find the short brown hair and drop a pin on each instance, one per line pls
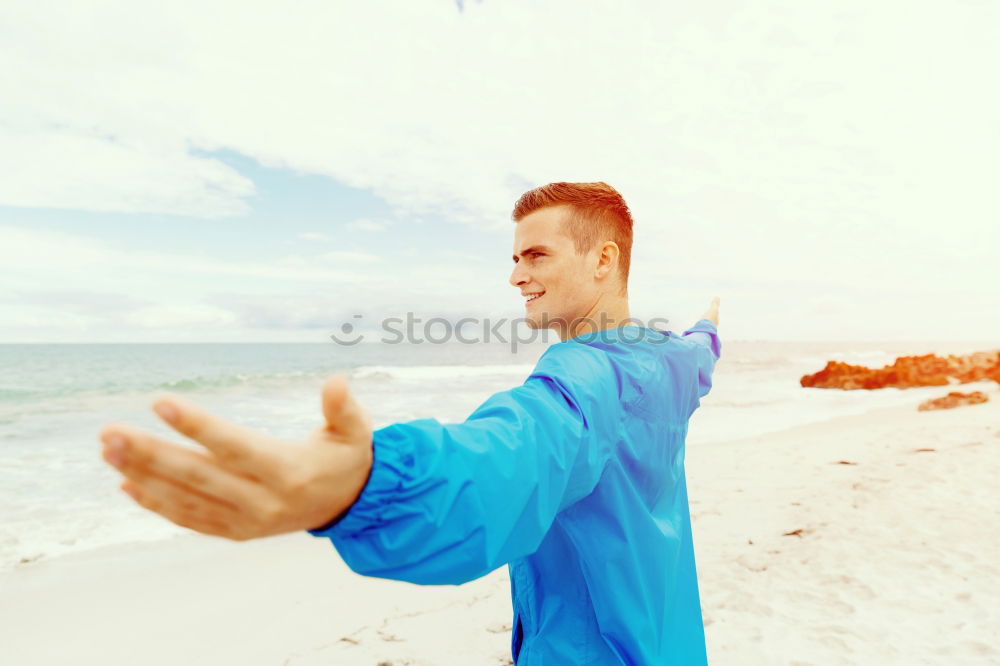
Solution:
(599, 214)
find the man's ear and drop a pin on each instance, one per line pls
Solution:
(607, 260)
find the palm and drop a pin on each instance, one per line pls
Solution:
(244, 484)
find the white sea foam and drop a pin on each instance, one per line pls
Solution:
(419, 373)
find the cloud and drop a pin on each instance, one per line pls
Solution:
(176, 316)
(839, 146)
(77, 301)
(63, 168)
(69, 287)
(360, 224)
(40, 257)
(118, 290)
(349, 257)
(364, 224)
(805, 107)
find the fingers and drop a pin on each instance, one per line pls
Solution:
(178, 507)
(343, 414)
(712, 313)
(140, 455)
(235, 446)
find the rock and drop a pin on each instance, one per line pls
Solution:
(953, 399)
(909, 371)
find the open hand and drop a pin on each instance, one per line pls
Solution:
(246, 484)
(712, 313)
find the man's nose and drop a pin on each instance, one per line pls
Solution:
(517, 276)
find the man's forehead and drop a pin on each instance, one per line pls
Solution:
(542, 228)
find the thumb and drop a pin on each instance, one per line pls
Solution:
(343, 414)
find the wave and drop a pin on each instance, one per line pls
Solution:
(18, 397)
(412, 373)
(365, 373)
(201, 383)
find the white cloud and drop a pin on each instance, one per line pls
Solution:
(800, 145)
(64, 287)
(364, 224)
(814, 110)
(62, 168)
(349, 257)
(181, 316)
(41, 258)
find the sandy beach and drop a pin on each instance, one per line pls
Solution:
(888, 560)
(867, 539)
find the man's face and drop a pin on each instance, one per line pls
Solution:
(546, 263)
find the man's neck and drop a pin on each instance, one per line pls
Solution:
(608, 312)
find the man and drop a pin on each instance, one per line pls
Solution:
(574, 479)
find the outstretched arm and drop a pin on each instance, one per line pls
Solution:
(705, 333)
(448, 503)
(422, 501)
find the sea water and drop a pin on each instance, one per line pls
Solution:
(57, 495)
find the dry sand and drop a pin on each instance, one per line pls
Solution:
(891, 559)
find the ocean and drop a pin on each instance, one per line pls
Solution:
(57, 495)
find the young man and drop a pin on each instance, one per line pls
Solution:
(574, 479)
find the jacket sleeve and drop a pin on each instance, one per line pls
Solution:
(448, 503)
(708, 350)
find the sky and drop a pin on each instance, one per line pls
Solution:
(247, 172)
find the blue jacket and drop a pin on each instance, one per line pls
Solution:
(575, 480)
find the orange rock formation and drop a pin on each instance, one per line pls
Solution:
(909, 371)
(953, 399)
